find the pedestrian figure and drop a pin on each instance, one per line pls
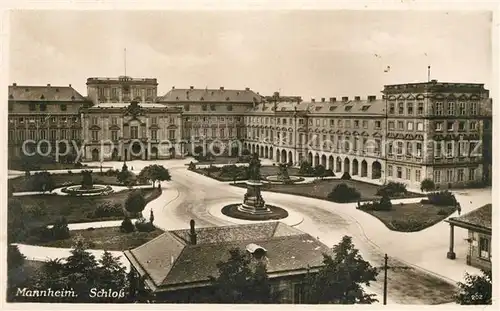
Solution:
(459, 209)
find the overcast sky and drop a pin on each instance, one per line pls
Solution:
(307, 53)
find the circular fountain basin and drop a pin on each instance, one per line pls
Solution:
(240, 211)
(275, 179)
(95, 190)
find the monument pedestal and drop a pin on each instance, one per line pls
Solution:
(253, 202)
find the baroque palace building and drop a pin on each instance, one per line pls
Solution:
(414, 131)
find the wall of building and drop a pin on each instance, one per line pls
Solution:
(473, 258)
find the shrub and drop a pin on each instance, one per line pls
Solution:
(346, 176)
(107, 209)
(392, 189)
(78, 164)
(384, 204)
(142, 226)
(343, 194)
(329, 173)
(442, 198)
(191, 166)
(306, 169)
(427, 185)
(38, 210)
(70, 172)
(135, 202)
(127, 225)
(14, 257)
(60, 230)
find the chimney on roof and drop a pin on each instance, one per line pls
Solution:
(434, 81)
(48, 84)
(313, 100)
(192, 233)
(345, 98)
(222, 88)
(247, 89)
(70, 85)
(191, 87)
(173, 87)
(371, 98)
(322, 99)
(14, 84)
(357, 97)
(333, 99)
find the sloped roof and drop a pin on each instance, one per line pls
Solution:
(170, 260)
(48, 93)
(211, 95)
(125, 105)
(480, 218)
(374, 107)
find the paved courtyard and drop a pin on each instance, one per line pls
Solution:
(191, 196)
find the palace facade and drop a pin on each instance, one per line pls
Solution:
(435, 130)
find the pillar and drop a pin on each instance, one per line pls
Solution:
(451, 254)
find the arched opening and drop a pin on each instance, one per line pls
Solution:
(278, 156)
(310, 158)
(283, 156)
(316, 160)
(154, 153)
(271, 154)
(347, 165)
(323, 160)
(355, 167)
(114, 155)
(330, 163)
(95, 155)
(261, 151)
(338, 166)
(364, 168)
(266, 152)
(290, 157)
(376, 170)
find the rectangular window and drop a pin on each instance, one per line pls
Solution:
(378, 124)
(449, 126)
(472, 174)
(154, 120)
(438, 109)
(409, 148)
(53, 134)
(437, 176)
(420, 126)
(473, 125)
(31, 134)
(95, 135)
(461, 108)
(301, 121)
(449, 149)
(439, 151)
(399, 172)
(154, 134)
(451, 109)
(32, 107)
(356, 124)
(418, 151)
(401, 108)
(222, 132)
(64, 134)
(22, 135)
(461, 126)
(391, 125)
(213, 133)
(473, 109)
(114, 93)
(171, 134)
(409, 108)
(449, 175)
(212, 107)
(462, 152)
(391, 108)
(348, 123)
(43, 134)
(134, 132)
(94, 120)
(389, 170)
(64, 107)
(401, 125)
(114, 135)
(420, 108)
(11, 135)
(365, 124)
(114, 120)
(391, 147)
(409, 126)
(341, 123)
(461, 174)
(417, 175)
(439, 126)
(43, 107)
(399, 150)
(408, 173)
(484, 248)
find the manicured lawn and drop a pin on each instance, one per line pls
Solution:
(265, 171)
(111, 239)
(320, 189)
(220, 160)
(22, 184)
(412, 217)
(75, 209)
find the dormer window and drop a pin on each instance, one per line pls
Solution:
(256, 251)
(365, 108)
(64, 107)
(57, 90)
(227, 98)
(42, 97)
(72, 97)
(332, 108)
(348, 108)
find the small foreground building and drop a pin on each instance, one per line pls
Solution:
(176, 265)
(478, 223)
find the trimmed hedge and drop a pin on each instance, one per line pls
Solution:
(342, 193)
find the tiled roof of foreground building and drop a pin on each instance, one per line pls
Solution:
(170, 260)
(478, 218)
(210, 95)
(48, 93)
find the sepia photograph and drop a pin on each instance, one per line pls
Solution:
(268, 156)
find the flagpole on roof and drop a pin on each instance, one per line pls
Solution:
(428, 73)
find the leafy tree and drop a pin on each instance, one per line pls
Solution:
(60, 230)
(127, 225)
(427, 185)
(341, 279)
(385, 204)
(319, 171)
(392, 189)
(155, 173)
(17, 226)
(238, 282)
(192, 166)
(198, 150)
(111, 272)
(135, 202)
(342, 193)
(42, 181)
(14, 257)
(125, 176)
(245, 152)
(476, 290)
(306, 168)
